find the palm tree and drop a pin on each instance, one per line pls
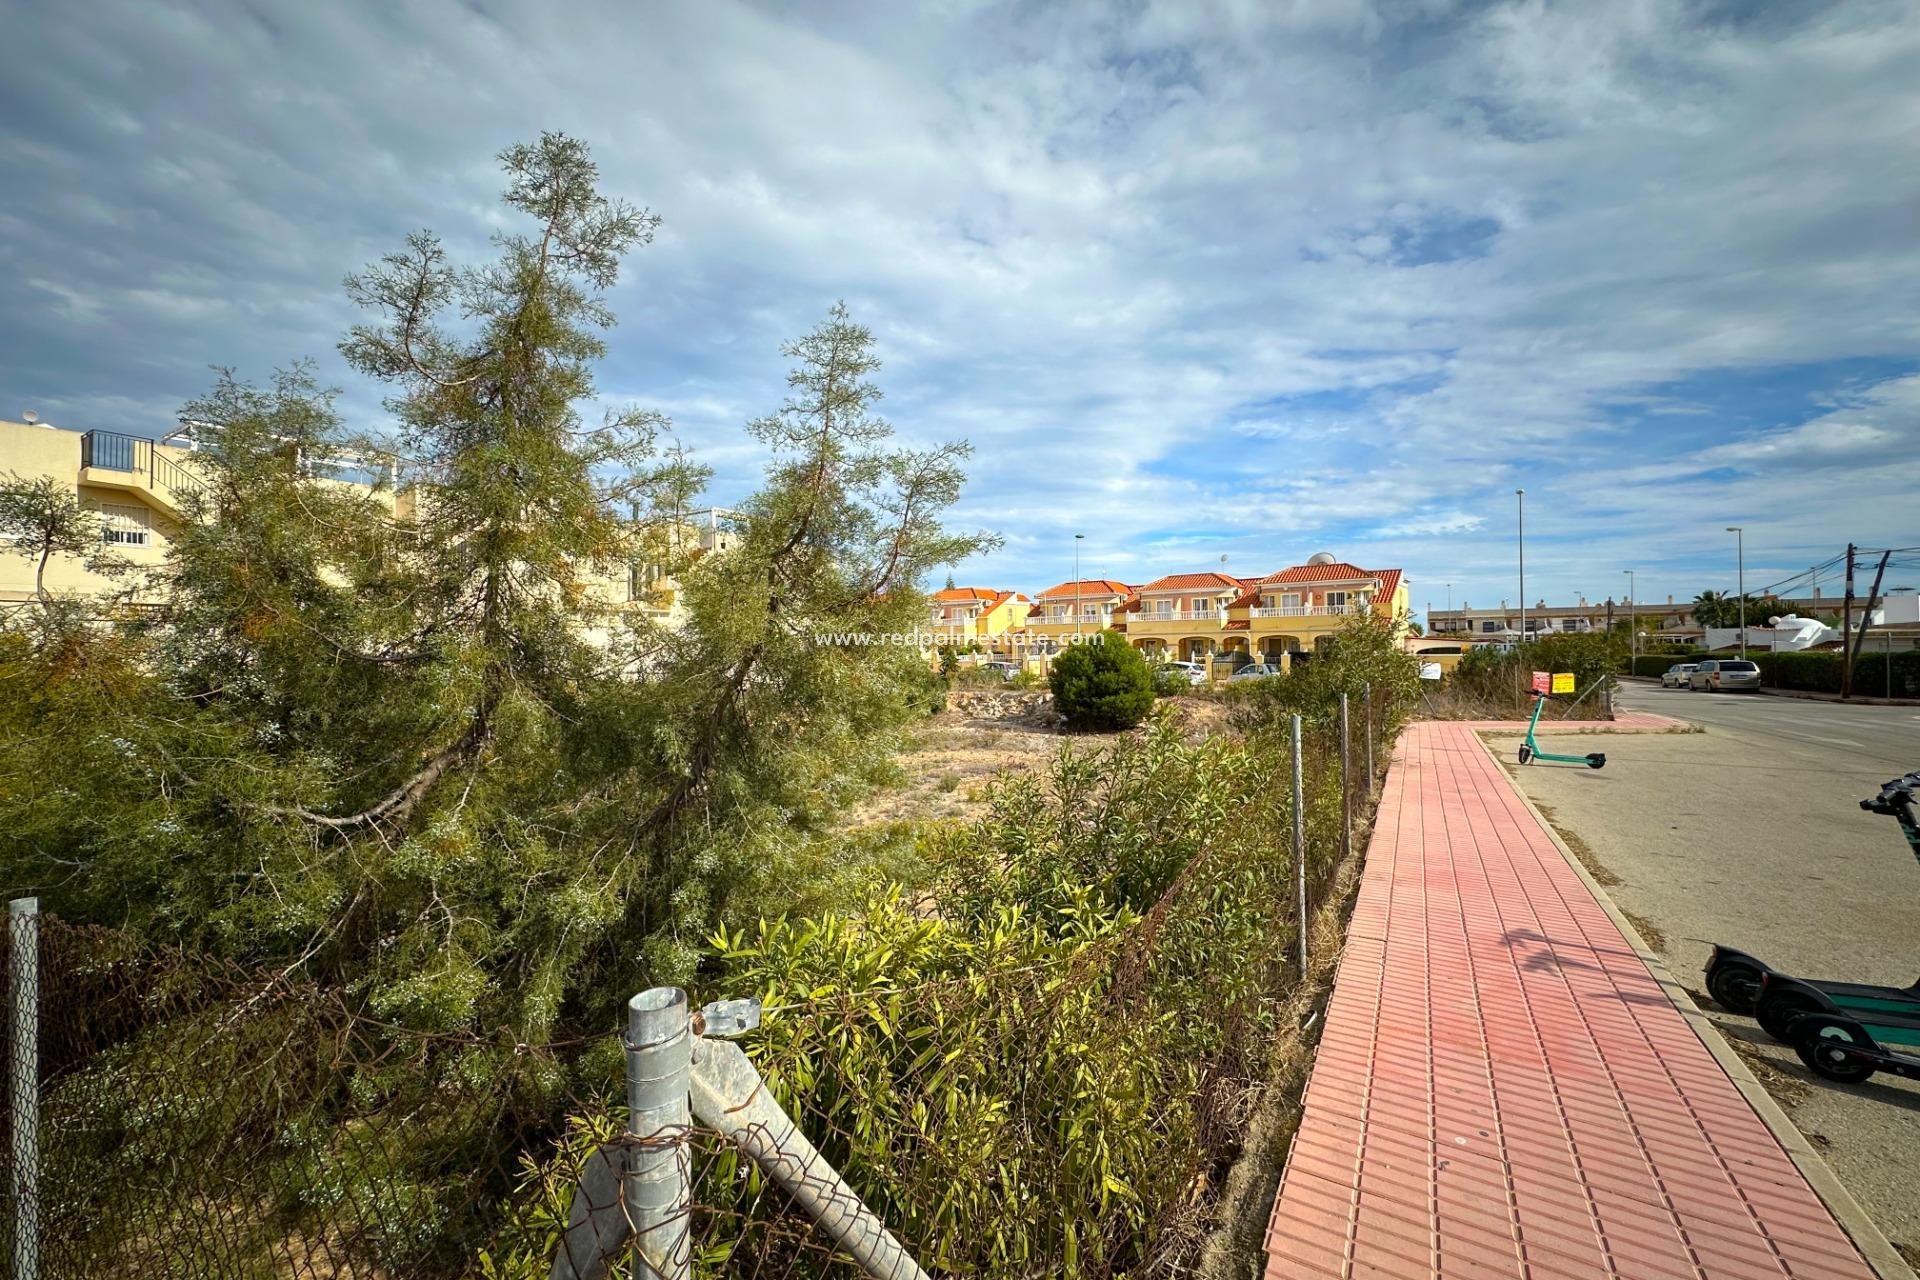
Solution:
(1710, 608)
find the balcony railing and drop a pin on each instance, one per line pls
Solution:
(111, 451)
(1180, 615)
(1312, 610)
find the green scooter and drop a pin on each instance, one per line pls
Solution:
(1530, 749)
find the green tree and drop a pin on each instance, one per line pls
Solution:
(43, 518)
(1102, 684)
(405, 741)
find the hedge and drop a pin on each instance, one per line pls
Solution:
(1817, 671)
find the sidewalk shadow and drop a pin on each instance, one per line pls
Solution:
(1541, 954)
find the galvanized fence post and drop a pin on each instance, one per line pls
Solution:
(1372, 777)
(657, 1190)
(1346, 784)
(23, 1083)
(1299, 847)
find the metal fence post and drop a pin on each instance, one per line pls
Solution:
(1346, 784)
(657, 1189)
(23, 1084)
(730, 1097)
(1372, 777)
(1300, 846)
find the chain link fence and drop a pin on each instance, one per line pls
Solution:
(1029, 1098)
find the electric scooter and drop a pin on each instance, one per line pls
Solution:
(1530, 750)
(1740, 983)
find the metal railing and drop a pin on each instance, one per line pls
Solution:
(111, 451)
(1311, 610)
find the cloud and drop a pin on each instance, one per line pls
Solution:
(1196, 279)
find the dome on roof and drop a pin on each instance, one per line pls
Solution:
(1322, 557)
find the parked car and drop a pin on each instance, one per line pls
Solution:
(1675, 676)
(1725, 675)
(1005, 670)
(1192, 672)
(1253, 671)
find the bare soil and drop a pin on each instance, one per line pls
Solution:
(947, 764)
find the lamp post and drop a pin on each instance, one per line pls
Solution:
(1633, 622)
(1740, 550)
(1076, 586)
(1520, 495)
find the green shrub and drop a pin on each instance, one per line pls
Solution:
(1364, 654)
(1102, 684)
(1823, 671)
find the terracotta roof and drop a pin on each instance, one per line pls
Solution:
(1238, 624)
(1005, 596)
(1389, 582)
(1087, 587)
(1339, 571)
(957, 595)
(1193, 582)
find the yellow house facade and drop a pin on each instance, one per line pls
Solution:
(1081, 608)
(1183, 616)
(139, 489)
(1298, 609)
(134, 487)
(981, 616)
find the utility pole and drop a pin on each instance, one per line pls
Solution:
(1076, 585)
(1866, 619)
(1846, 632)
(1633, 623)
(1740, 545)
(1521, 496)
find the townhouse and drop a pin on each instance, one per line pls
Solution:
(1081, 608)
(1193, 617)
(978, 616)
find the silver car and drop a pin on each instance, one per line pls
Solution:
(1675, 676)
(1254, 671)
(1725, 675)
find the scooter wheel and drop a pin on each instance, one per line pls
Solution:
(1526, 754)
(1831, 1047)
(1776, 1012)
(1596, 760)
(1734, 986)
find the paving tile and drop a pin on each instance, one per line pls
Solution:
(1503, 1090)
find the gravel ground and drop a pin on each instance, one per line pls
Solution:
(1735, 835)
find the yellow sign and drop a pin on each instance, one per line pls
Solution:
(1563, 682)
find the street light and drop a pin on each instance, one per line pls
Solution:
(1521, 496)
(1076, 585)
(1740, 548)
(1633, 622)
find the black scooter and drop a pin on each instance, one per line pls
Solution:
(1740, 983)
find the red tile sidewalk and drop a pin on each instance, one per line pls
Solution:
(1502, 1087)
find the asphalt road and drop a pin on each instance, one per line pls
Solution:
(1750, 833)
(1887, 735)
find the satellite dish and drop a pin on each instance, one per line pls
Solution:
(29, 417)
(1322, 557)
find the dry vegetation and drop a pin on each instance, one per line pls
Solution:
(944, 770)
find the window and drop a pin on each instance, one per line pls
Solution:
(1490, 627)
(1202, 607)
(1336, 601)
(124, 526)
(641, 579)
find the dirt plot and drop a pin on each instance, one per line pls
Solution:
(1719, 836)
(945, 769)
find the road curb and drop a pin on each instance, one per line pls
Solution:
(1854, 1220)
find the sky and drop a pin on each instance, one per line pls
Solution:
(1208, 283)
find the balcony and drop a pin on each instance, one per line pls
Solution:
(1180, 615)
(1312, 610)
(113, 461)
